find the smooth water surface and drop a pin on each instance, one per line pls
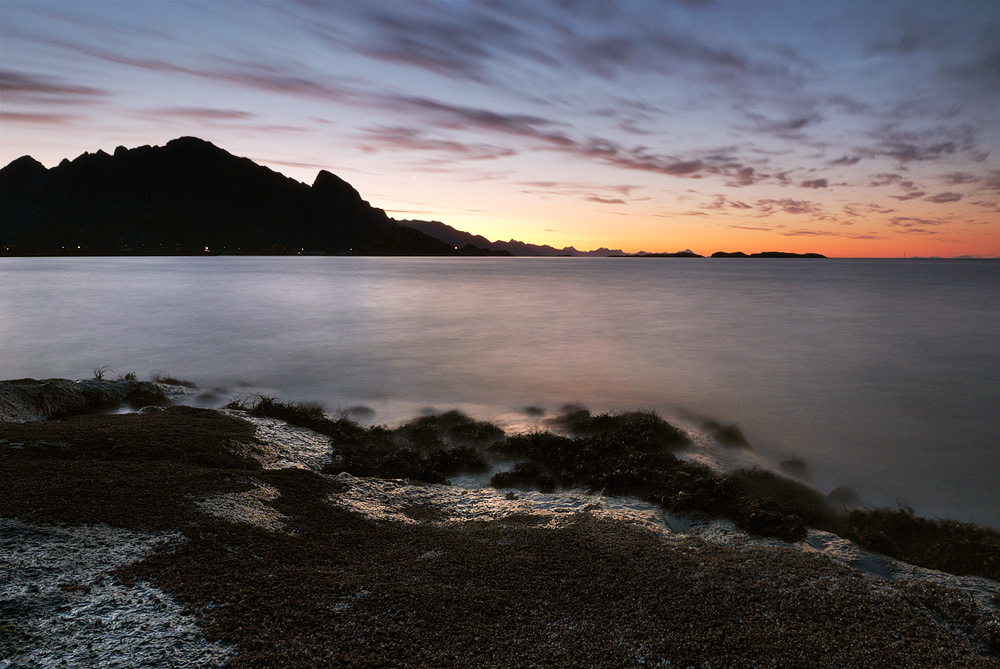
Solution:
(879, 374)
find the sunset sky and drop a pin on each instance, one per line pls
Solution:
(847, 128)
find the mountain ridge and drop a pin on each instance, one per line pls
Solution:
(191, 197)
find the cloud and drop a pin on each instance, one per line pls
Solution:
(885, 179)
(828, 233)
(203, 113)
(605, 200)
(39, 118)
(579, 186)
(909, 145)
(846, 160)
(814, 183)
(941, 198)
(912, 225)
(983, 68)
(22, 87)
(912, 195)
(992, 181)
(254, 75)
(459, 41)
(722, 202)
(958, 178)
(458, 116)
(910, 35)
(413, 139)
(848, 105)
(787, 128)
(751, 227)
(768, 207)
(857, 209)
(551, 134)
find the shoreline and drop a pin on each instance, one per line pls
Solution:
(341, 569)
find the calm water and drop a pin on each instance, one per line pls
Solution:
(879, 374)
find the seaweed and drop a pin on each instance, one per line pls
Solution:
(172, 381)
(791, 496)
(176, 434)
(449, 427)
(947, 545)
(730, 435)
(645, 429)
(422, 450)
(11, 634)
(632, 454)
(525, 475)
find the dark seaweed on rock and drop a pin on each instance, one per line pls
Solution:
(428, 449)
(730, 435)
(630, 454)
(450, 426)
(140, 471)
(28, 399)
(946, 545)
(792, 496)
(645, 428)
(176, 434)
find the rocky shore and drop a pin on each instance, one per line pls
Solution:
(185, 537)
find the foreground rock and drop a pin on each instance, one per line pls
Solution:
(30, 400)
(298, 572)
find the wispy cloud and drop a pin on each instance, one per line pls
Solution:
(923, 145)
(856, 209)
(914, 225)
(606, 200)
(912, 195)
(23, 87)
(958, 178)
(39, 118)
(941, 198)
(815, 183)
(414, 139)
(846, 160)
(767, 207)
(203, 113)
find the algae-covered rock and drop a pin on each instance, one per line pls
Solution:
(28, 399)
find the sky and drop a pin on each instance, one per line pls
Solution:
(852, 129)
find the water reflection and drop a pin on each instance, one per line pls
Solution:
(879, 374)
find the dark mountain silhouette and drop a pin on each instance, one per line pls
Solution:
(186, 197)
(450, 235)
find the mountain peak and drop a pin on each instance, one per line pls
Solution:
(329, 184)
(25, 165)
(191, 142)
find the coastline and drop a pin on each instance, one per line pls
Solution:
(276, 562)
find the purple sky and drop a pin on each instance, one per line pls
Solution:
(848, 128)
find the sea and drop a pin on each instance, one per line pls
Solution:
(880, 375)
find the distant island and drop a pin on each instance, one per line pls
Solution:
(718, 254)
(189, 197)
(687, 253)
(766, 254)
